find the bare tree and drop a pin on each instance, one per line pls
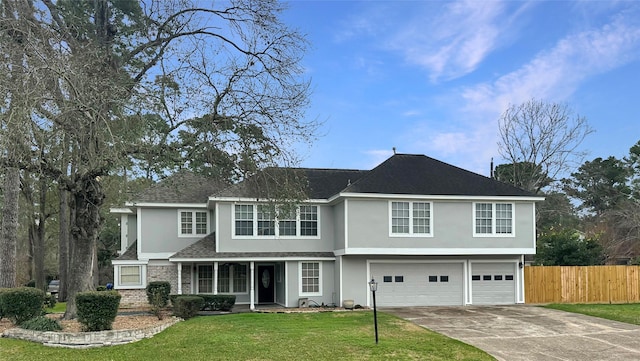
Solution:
(543, 137)
(227, 73)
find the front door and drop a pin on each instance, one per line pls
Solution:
(266, 289)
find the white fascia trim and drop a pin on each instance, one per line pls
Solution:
(129, 263)
(258, 200)
(155, 255)
(167, 205)
(432, 251)
(438, 197)
(252, 259)
(121, 210)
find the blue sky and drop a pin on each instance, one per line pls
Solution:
(433, 77)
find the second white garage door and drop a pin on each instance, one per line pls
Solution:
(493, 283)
(418, 284)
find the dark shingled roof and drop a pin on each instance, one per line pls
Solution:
(181, 187)
(419, 174)
(131, 254)
(206, 248)
(315, 183)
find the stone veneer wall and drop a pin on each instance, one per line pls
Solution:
(133, 298)
(138, 297)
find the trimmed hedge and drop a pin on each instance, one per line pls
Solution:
(187, 306)
(21, 304)
(1, 310)
(97, 309)
(218, 302)
(158, 293)
(211, 302)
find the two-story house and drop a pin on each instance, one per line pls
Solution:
(428, 232)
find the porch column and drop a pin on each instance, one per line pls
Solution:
(252, 305)
(215, 277)
(179, 278)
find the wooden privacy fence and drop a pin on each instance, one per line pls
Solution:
(582, 284)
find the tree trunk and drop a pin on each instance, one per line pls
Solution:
(8, 233)
(38, 246)
(63, 243)
(86, 200)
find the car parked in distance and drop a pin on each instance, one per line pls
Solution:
(54, 287)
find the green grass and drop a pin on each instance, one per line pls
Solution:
(59, 307)
(258, 336)
(628, 312)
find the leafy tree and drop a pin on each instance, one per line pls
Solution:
(540, 139)
(108, 70)
(633, 160)
(568, 248)
(600, 184)
(555, 213)
(524, 175)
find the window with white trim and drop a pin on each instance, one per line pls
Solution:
(192, 223)
(310, 279)
(410, 218)
(205, 279)
(232, 278)
(263, 221)
(130, 275)
(493, 219)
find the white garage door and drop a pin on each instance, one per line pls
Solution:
(493, 283)
(418, 284)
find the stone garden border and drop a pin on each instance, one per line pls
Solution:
(82, 340)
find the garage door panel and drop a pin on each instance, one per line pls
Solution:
(493, 283)
(418, 284)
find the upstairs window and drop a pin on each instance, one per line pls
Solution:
(244, 220)
(193, 223)
(493, 219)
(308, 220)
(410, 219)
(262, 221)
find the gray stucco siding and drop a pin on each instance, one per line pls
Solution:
(338, 225)
(354, 280)
(368, 227)
(329, 294)
(160, 231)
(228, 243)
(132, 229)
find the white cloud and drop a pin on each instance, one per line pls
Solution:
(376, 156)
(557, 73)
(454, 41)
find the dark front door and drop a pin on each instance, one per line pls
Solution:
(266, 290)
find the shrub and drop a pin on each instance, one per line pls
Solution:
(41, 323)
(31, 283)
(161, 288)
(187, 307)
(218, 302)
(97, 310)
(50, 301)
(1, 312)
(21, 304)
(101, 288)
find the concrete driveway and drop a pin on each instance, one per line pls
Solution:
(523, 332)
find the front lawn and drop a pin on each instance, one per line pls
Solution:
(628, 312)
(271, 336)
